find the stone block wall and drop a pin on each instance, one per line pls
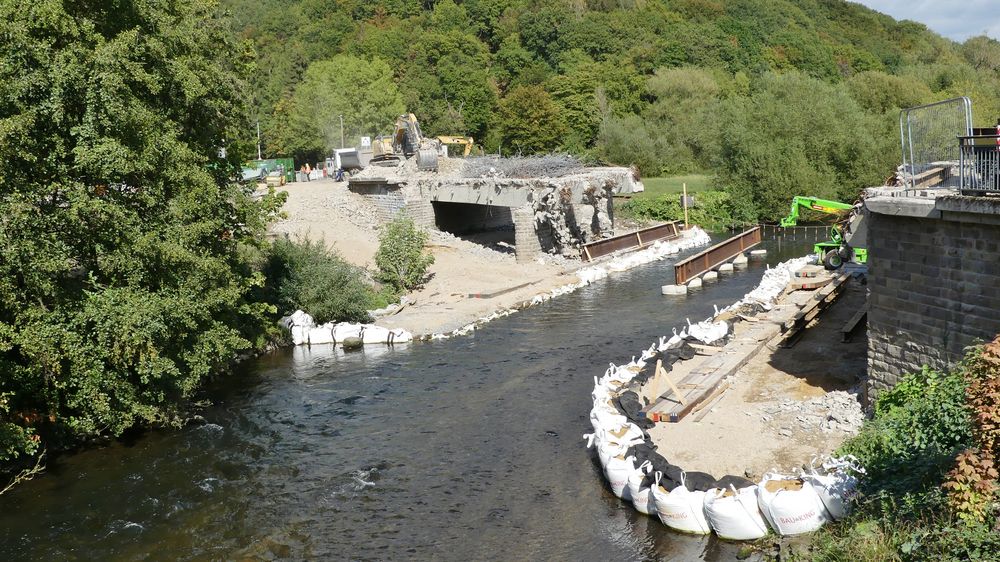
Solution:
(529, 241)
(389, 199)
(935, 289)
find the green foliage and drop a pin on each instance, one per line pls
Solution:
(530, 121)
(361, 91)
(918, 426)
(401, 261)
(123, 283)
(796, 133)
(711, 209)
(304, 274)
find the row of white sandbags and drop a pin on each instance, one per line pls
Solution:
(305, 331)
(794, 505)
(790, 505)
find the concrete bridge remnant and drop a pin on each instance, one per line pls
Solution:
(545, 214)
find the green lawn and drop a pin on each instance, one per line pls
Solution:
(670, 185)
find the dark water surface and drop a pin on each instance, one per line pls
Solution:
(467, 448)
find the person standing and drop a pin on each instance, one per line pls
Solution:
(308, 172)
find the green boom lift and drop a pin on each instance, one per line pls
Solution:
(847, 237)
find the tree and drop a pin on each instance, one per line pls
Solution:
(530, 121)
(122, 278)
(360, 90)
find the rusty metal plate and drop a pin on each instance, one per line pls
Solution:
(637, 239)
(716, 255)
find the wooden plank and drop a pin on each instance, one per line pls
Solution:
(710, 403)
(670, 381)
(852, 323)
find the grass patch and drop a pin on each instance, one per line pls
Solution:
(673, 185)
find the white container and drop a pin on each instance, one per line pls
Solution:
(642, 498)
(734, 514)
(790, 504)
(681, 509)
(617, 472)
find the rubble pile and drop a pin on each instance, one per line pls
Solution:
(524, 167)
(837, 410)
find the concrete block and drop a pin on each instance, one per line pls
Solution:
(674, 289)
(694, 283)
(758, 253)
(903, 206)
(726, 268)
(741, 260)
(711, 276)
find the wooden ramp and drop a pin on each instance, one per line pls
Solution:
(696, 381)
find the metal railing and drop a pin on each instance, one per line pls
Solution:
(979, 164)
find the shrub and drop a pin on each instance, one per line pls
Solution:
(402, 263)
(711, 210)
(918, 426)
(303, 274)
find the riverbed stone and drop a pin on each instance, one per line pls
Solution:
(353, 343)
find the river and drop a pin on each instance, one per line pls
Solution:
(468, 448)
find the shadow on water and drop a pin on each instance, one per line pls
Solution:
(467, 448)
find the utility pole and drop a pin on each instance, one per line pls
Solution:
(341, 131)
(258, 140)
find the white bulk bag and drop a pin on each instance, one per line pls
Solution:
(680, 509)
(707, 331)
(300, 318)
(836, 486)
(399, 335)
(734, 514)
(374, 334)
(321, 334)
(346, 330)
(608, 446)
(300, 335)
(790, 504)
(642, 498)
(617, 472)
(602, 419)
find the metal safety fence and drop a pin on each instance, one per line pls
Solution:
(979, 163)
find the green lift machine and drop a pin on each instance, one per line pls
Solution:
(848, 237)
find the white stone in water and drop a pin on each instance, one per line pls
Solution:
(674, 289)
(741, 260)
(758, 253)
(726, 268)
(694, 283)
(711, 276)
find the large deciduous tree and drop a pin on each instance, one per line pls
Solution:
(122, 281)
(530, 122)
(362, 91)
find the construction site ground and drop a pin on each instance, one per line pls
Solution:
(347, 222)
(784, 406)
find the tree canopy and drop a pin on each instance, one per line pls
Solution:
(646, 83)
(123, 279)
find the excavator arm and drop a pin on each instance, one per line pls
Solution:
(814, 204)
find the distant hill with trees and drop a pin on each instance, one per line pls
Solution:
(775, 93)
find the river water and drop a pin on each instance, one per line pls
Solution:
(468, 448)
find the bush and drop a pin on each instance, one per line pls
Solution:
(917, 428)
(402, 263)
(710, 212)
(302, 274)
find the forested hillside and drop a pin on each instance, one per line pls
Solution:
(758, 92)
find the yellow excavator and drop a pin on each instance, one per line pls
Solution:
(407, 140)
(465, 142)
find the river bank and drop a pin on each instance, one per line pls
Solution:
(470, 281)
